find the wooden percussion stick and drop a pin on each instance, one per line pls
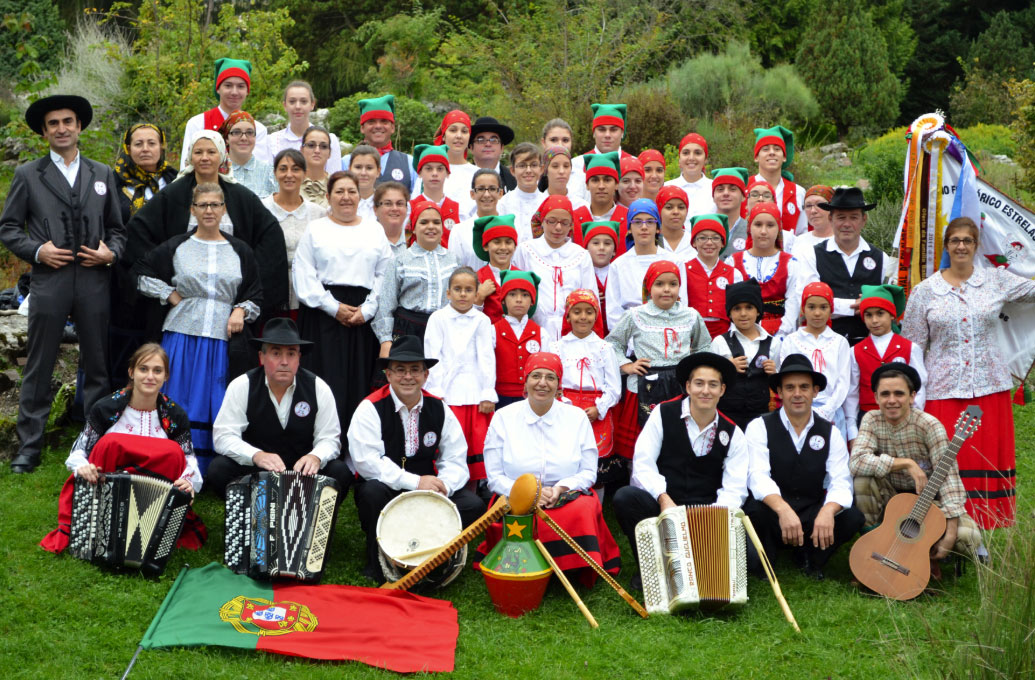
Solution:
(768, 568)
(498, 509)
(567, 584)
(541, 514)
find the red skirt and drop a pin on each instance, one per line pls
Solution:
(603, 430)
(138, 455)
(717, 327)
(627, 424)
(583, 520)
(987, 460)
(475, 425)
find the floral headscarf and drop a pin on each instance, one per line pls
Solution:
(135, 180)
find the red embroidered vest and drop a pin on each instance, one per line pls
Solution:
(707, 294)
(492, 307)
(511, 354)
(620, 215)
(899, 349)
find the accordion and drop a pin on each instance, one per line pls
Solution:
(693, 556)
(279, 524)
(126, 520)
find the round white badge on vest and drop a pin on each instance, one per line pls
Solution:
(760, 360)
(791, 208)
(532, 346)
(816, 442)
(397, 174)
(302, 409)
(430, 438)
(900, 360)
(739, 243)
(869, 263)
(100, 188)
(449, 223)
(724, 437)
(721, 282)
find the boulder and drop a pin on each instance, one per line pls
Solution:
(14, 337)
(836, 147)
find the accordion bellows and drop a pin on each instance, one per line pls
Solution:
(279, 524)
(127, 521)
(692, 556)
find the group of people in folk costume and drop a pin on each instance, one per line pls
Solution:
(444, 321)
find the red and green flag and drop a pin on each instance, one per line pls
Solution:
(391, 629)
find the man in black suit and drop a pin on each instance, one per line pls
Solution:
(62, 216)
(488, 137)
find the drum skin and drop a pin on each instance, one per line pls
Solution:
(411, 527)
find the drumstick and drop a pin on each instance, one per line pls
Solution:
(567, 584)
(498, 509)
(768, 568)
(417, 553)
(541, 514)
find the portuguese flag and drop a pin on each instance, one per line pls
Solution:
(390, 629)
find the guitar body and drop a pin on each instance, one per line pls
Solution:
(894, 559)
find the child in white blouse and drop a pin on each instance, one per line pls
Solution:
(460, 337)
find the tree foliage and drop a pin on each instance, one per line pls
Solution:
(32, 31)
(406, 45)
(415, 123)
(844, 59)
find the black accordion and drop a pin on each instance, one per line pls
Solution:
(127, 521)
(279, 524)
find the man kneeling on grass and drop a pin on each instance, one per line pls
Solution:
(898, 447)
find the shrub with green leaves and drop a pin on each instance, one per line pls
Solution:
(415, 123)
(654, 119)
(31, 30)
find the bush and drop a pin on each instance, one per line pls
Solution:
(982, 98)
(881, 161)
(30, 24)
(1023, 127)
(990, 139)
(654, 119)
(415, 123)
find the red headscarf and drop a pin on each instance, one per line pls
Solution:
(547, 360)
(415, 213)
(631, 165)
(656, 269)
(232, 120)
(694, 138)
(818, 289)
(454, 116)
(574, 298)
(767, 209)
(651, 155)
(551, 203)
(667, 193)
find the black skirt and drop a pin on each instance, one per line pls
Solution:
(650, 393)
(344, 356)
(409, 322)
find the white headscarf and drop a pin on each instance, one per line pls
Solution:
(217, 139)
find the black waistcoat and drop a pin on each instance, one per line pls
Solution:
(799, 475)
(749, 393)
(833, 272)
(264, 431)
(397, 160)
(690, 479)
(429, 431)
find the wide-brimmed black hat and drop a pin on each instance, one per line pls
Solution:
(912, 376)
(41, 107)
(848, 198)
(280, 331)
(406, 348)
(720, 363)
(797, 363)
(490, 124)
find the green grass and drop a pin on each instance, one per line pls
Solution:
(66, 618)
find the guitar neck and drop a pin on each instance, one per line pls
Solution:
(937, 478)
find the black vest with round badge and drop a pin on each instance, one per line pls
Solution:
(799, 475)
(691, 479)
(264, 432)
(429, 432)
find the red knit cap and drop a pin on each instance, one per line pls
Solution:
(667, 193)
(656, 269)
(631, 165)
(547, 360)
(651, 155)
(552, 203)
(694, 138)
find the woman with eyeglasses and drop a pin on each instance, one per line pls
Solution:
(953, 315)
(391, 207)
(209, 283)
(316, 146)
(238, 132)
(624, 288)
(820, 226)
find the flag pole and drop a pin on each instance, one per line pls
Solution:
(157, 618)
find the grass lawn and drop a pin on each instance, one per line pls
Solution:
(67, 618)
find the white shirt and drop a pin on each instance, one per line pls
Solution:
(699, 194)
(458, 187)
(286, 139)
(589, 364)
(645, 474)
(562, 270)
(842, 306)
(197, 123)
(329, 254)
(557, 447)
(683, 252)
(830, 355)
(70, 171)
(802, 225)
(232, 421)
(367, 449)
(461, 244)
(880, 343)
(838, 480)
(722, 348)
(522, 205)
(466, 370)
(763, 268)
(804, 242)
(624, 287)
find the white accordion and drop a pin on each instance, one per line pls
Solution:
(693, 557)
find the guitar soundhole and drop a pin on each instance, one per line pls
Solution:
(910, 528)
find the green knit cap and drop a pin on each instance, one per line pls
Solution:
(379, 108)
(519, 280)
(607, 228)
(490, 227)
(603, 164)
(228, 68)
(428, 153)
(780, 136)
(609, 114)
(738, 177)
(716, 222)
(887, 297)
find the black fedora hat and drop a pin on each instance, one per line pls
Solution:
(912, 376)
(490, 124)
(797, 363)
(720, 363)
(41, 107)
(280, 331)
(848, 198)
(406, 348)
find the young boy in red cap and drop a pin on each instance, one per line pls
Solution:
(431, 163)
(879, 306)
(495, 240)
(232, 84)
(601, 239)
(672, 206)
(729, 192)
(526, 165)
(515, 336)
(774, 152)
(706, 275)
(602, 174)
(693, 154)
(608, 131)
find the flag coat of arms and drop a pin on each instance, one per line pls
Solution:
(391, 629)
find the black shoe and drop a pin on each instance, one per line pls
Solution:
(373, 572)
(25, 463)
(636, 583)
(801, 560)
(816, 574)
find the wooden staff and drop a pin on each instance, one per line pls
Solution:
(541, 514)
(567, 584)
(768, 568)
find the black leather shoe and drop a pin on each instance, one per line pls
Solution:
(24, 463)
(373, 572)
(636, 584)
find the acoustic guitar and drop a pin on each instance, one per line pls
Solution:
(894, 559)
